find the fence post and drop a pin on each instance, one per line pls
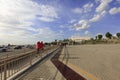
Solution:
(30, 59)
(24, 50)
(5, 68)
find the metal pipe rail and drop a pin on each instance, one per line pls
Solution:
(11, 65)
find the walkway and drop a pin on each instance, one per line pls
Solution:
(86, 62)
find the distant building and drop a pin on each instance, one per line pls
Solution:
(79, 39)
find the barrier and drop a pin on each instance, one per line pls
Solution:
(9, 66)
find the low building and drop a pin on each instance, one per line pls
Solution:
(79, 39)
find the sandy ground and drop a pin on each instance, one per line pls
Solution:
(102, 61)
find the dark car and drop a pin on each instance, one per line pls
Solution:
(18, 47)
(3, 49)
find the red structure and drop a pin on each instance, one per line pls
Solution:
(38, 46)
(42, 45)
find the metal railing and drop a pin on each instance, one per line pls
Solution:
(11, 65)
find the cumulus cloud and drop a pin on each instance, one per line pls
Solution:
(97, 17)
(86, 8)
(100, 12)
(103, 5)
(82, 24)
(20, 10)
(17, 16)
(114, 10)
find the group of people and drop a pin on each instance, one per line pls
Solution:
(39, 46)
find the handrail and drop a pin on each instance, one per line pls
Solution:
(13, 64)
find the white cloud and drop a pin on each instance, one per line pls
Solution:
(17, 37)
(47, 33)
(103, 5)
(46, 19)
(82, 24)
(23, 37)
(77, 10)
(97, 17)
(17, 16)
(87, 7)
(100, 12)
(114, 10)
(19, 10)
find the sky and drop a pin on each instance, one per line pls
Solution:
(29, 21)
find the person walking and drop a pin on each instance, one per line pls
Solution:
(38, 46)
(42, 45)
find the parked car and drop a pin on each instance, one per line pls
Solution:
(18, 47)
(30, 46)
(2, 49)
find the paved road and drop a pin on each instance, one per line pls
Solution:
(12, 51)
(102, 61)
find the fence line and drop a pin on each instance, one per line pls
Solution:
(11, 65)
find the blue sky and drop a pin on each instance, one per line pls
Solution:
(28, 21)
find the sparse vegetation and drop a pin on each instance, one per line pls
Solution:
(110, 39)
(108, 35)
(99, 36)
(118, 35)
